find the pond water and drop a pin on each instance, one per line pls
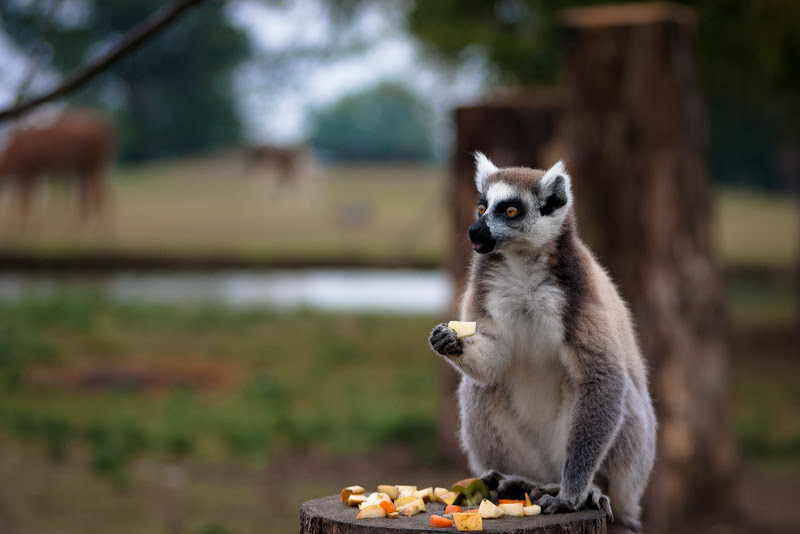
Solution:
(383, 291)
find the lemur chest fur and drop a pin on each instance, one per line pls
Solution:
(526, 304)
(524, 301)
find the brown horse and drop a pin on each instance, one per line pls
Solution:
(79, 144)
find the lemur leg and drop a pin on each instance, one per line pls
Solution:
(597, 418)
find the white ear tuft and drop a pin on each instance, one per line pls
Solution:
(483, 168)
(557, 183)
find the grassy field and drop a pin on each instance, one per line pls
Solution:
(161, 419)
(368, 213)
(97, 388)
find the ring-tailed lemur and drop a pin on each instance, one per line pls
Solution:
(553, 395)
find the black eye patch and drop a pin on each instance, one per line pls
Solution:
(500, 209)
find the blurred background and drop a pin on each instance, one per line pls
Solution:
(222, 309)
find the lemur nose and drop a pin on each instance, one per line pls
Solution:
(478, 229)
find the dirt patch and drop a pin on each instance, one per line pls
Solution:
(139, 376)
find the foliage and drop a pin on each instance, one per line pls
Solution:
(171, 96)
(749, 50)
(385, 122)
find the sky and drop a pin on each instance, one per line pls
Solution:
(379, 49)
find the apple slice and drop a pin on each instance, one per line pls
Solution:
(355, 500)
(374, 498)
(389, 490)
(371, 512)
(489, 510)
(513, 509)
(463, 328)
(351, 490)
(533, 509)
(424, 494)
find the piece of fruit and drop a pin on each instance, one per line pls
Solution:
(528, 500)
(465, 482)
(452, 508)
(355, 500)
(450, 497)
(351, 490)
(438, 493)
(511, 501)
(388, 506)
(419, 503)
(468, 522)
(371, 512)
(513, 509)
(393, 515)
(488, 510)
(424, 494)
(463, 328)
(405, 491)
(412, 508)
(374, 498)
(472, 494)
(533, 509)
(439, 521)
(389, 490)
(402, 501)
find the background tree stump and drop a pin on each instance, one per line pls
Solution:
(330, 515)
(514, 130)
(637, 134)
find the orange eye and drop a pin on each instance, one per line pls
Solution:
(512, 212)
(481, 209)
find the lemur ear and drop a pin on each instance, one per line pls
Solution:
(555, 189)
(483, 168)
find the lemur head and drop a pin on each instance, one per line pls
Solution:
(519, 207)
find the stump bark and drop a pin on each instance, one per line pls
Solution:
(638, 141)
(330, 515)
(517, 129)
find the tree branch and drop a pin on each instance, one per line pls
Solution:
(36, 51)
(135, 37)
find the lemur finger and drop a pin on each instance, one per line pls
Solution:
(492, 479)
(547, 489)
(605, 505)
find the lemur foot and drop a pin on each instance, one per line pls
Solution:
(552, 501)
(444, 341)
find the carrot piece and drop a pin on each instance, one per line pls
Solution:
(452, 508)
(439, 521)
(510, 501)
(388, 506)
(473, 511)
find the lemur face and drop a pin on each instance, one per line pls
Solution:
(518, 207)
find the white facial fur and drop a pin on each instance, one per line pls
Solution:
(534, 230)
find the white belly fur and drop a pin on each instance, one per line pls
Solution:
(535, 432)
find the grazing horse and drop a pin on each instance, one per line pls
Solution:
(78, 144)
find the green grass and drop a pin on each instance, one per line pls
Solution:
(301, 381)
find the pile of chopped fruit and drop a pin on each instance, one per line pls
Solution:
(467, 503)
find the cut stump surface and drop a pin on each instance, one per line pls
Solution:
(330, 515)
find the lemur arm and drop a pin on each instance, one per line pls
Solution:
(596, 419)
(481, 356)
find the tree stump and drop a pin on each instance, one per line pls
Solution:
(518, 129)
(330, 515)
(638, 141)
